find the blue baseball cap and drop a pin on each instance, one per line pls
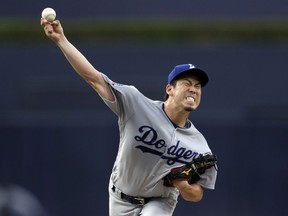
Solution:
(185, 68)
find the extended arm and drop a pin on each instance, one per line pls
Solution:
(78, 61)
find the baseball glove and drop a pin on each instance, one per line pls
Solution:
(191, 171)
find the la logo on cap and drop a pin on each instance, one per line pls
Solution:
(191, 66)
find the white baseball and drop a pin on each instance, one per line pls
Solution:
(49, 14)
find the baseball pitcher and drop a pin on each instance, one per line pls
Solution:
(161, 153)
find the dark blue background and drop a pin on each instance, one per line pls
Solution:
(59, 140)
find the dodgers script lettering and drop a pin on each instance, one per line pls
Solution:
(154, 145)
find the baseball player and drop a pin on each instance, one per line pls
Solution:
(161, 154)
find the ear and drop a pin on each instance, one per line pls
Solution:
(169, 89)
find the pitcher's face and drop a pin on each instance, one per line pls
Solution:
(186, 93)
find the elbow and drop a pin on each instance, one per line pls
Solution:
(195, 199)
(196, 196)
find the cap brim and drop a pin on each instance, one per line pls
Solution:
(202, 76)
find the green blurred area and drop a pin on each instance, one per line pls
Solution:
(151, 30)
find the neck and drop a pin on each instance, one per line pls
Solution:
(176, 115)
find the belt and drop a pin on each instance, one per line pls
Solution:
(134, 200)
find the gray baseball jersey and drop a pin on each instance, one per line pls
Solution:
(150, 145)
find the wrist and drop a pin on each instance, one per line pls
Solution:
(62, 41)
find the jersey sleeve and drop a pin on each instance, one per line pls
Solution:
(208, 179)
(126, 96)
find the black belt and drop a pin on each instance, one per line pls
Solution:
(134, 200)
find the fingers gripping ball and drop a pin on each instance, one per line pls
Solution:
(49, 14)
